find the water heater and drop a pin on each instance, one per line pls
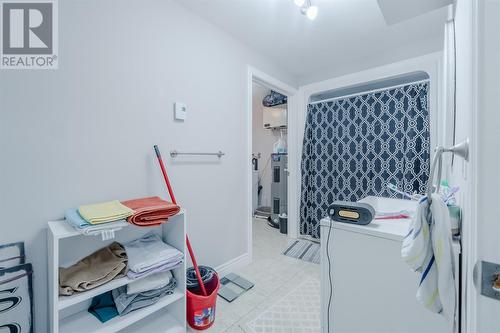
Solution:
(274, 117)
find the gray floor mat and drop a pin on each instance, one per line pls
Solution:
(303, 250)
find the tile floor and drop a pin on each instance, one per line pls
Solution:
(274, 276)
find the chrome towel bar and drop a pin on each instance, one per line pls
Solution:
(175, 153)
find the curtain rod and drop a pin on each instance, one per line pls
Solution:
(369, 91)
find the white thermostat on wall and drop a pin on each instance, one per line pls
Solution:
(180, 111)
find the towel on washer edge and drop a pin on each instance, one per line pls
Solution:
(126, 303)
(105, 212)
(149, 254)
(94, 270)
(150, 211)
(428, 249)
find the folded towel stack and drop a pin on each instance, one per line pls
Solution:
(84, 227)
(150, 282)
(150, 211)
(150, 263)
(121, 301)
(149, 254)
(107, 217)
(126, 302)
(105, 212)
(94, 270)
(99, 219)
(103, 307)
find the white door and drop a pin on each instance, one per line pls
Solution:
(488, 157)
(478, 116)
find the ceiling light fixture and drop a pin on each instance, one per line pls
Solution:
(307, 9)
(312, 12)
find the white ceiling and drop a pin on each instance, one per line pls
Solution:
(396, 11)
(347, 36)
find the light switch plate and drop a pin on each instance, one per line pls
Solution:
(489, 271)
(180, 111)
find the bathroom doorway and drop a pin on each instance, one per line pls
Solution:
(269, 157)
(270, 105)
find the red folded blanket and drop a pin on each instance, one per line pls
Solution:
(151, 211)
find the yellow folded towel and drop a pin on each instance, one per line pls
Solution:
(105, 212)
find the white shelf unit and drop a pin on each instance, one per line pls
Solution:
(68, 314)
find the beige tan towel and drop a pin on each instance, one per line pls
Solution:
(94, 270)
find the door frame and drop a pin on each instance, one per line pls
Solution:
(258, 76)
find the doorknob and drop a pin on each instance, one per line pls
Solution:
(490, 280)
(496, 283)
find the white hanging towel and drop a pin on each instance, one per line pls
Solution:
(427, 249)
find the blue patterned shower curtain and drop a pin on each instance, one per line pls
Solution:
(355, 146)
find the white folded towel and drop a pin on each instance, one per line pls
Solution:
(103, 228)
(150, 282)
(150, 252)
(428, 249)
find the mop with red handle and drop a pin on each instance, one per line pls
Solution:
(172, 197)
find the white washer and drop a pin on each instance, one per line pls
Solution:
(373, 288)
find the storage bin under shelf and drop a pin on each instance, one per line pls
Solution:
(68, 314)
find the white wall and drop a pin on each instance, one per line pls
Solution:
(262, 141)
(84, 133)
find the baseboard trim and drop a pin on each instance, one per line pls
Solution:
(233, 264)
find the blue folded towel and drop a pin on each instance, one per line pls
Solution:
(103, 307)
(75, 219)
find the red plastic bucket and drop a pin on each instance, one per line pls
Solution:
(201, 309)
